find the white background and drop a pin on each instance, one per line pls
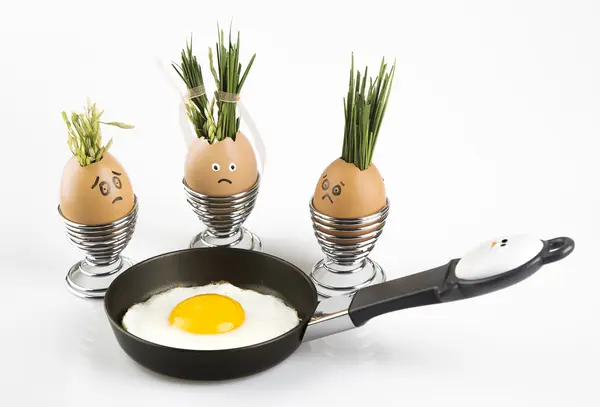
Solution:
(492, 129)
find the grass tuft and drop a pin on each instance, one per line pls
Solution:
(198, 108)
(84, 136)
(229, 82)
(364, 109)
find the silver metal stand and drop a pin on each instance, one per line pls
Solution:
(346, 244)
(223, 218)
(102, 245)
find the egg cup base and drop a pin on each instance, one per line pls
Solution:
(332, 279)
(88, 281)
(244, 239)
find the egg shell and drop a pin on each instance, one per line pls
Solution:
(362, 193)
(200, 176)
(87, 194)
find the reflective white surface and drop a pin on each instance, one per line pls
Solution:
(497, 256)
(489, 131)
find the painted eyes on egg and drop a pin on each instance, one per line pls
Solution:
(504, 241)
(116, 182)
(337, 189)
(216, 167)
(104, 188)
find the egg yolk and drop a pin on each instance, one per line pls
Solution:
(207, 314)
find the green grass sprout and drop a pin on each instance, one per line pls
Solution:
(229, 80)
(364, 109)
(84, 135)
(199, 110)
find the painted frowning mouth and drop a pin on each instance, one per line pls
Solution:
(224, 180)
(119, 198)
(328, 197)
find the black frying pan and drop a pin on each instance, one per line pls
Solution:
(494, 265)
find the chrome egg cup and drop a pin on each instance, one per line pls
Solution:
(346, 244)
(223, 217)
(102, 246)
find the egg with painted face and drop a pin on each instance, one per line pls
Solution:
(95, 194)
(345, 191)
(211, 317)
(224, 168)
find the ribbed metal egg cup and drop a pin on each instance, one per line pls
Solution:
(347, 244)
(223, 218)
(102, 245)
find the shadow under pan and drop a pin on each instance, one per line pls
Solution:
(196, 267)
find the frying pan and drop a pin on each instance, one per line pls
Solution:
(493, 265)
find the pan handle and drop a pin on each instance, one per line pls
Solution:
(488, 268)
(557, 249)
(415, 290)
(492, 266)
(342, 313)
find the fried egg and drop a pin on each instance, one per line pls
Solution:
(210, 317)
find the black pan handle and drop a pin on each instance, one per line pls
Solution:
(557, 249)
(488, 268)
(411, 291)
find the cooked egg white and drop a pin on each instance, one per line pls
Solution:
(210, 317)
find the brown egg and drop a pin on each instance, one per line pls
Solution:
(96, 194)
(344, 191)
(224, 168)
